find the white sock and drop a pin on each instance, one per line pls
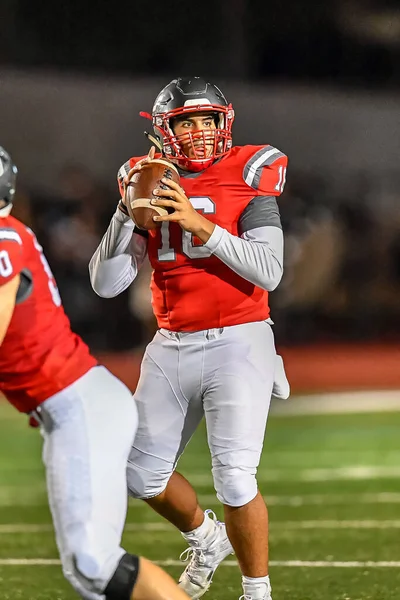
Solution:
(257, 588)
(201, 532)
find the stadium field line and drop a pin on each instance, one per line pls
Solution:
(45, 562)
(350, 472)
(332, 524)
(367, 401)
(34, 495)
(317, 499)
(19, 499)
(14, 528)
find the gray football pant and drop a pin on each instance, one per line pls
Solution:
(225, 375)
(88, 430)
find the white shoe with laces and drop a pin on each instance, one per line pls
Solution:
(246, 597)
(256, 591)
(204, 557)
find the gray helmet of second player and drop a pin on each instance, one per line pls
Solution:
(8, 176)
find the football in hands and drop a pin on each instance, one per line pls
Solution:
(139, 192)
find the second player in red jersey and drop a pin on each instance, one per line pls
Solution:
(87, 416)
(40, 355)
(215, 259)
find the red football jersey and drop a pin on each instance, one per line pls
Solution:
(40, 355)
(192, 289)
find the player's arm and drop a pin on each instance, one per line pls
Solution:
(8, 296)
(120, 254)
(257, 255)
(118, 258)
(11, 267)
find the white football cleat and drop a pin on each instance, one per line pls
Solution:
(204, 557)
(256, 591)
(267, 596)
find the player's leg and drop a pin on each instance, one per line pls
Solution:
(139, 579)
(88, 430)
(206, 537)
(236, 407)
(178, 504)
(155, 584)
(170, 409)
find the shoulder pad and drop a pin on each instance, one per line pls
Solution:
(9, 234)
(262, 159)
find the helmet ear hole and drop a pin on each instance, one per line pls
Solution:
(171, 124)
(8, 177)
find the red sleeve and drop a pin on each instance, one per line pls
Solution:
(265, 171)
(10, 255)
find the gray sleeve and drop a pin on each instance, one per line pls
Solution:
(262, 211)
(257, 255)
(119, 256)
(265, 157)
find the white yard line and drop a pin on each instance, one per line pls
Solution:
(303, 563)
(352, 564)
(36, 495)
(318, 499)
(29, 562)
(335, 524)
(338, 403)
(14, 528)
(45, 562)
(350, 472)
(19, 500)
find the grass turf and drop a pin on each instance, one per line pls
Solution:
(334, 488)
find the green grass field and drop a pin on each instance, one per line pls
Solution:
(333, 487)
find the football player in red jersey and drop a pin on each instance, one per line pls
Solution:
(87, 416)
(214, 260)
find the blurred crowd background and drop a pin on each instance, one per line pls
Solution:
(322, 80)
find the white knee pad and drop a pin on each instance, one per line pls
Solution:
(147, 476)
(77, 571)
(88, 573)
(235, 486)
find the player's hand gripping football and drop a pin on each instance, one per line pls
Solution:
(134, 170)
(188, 218)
